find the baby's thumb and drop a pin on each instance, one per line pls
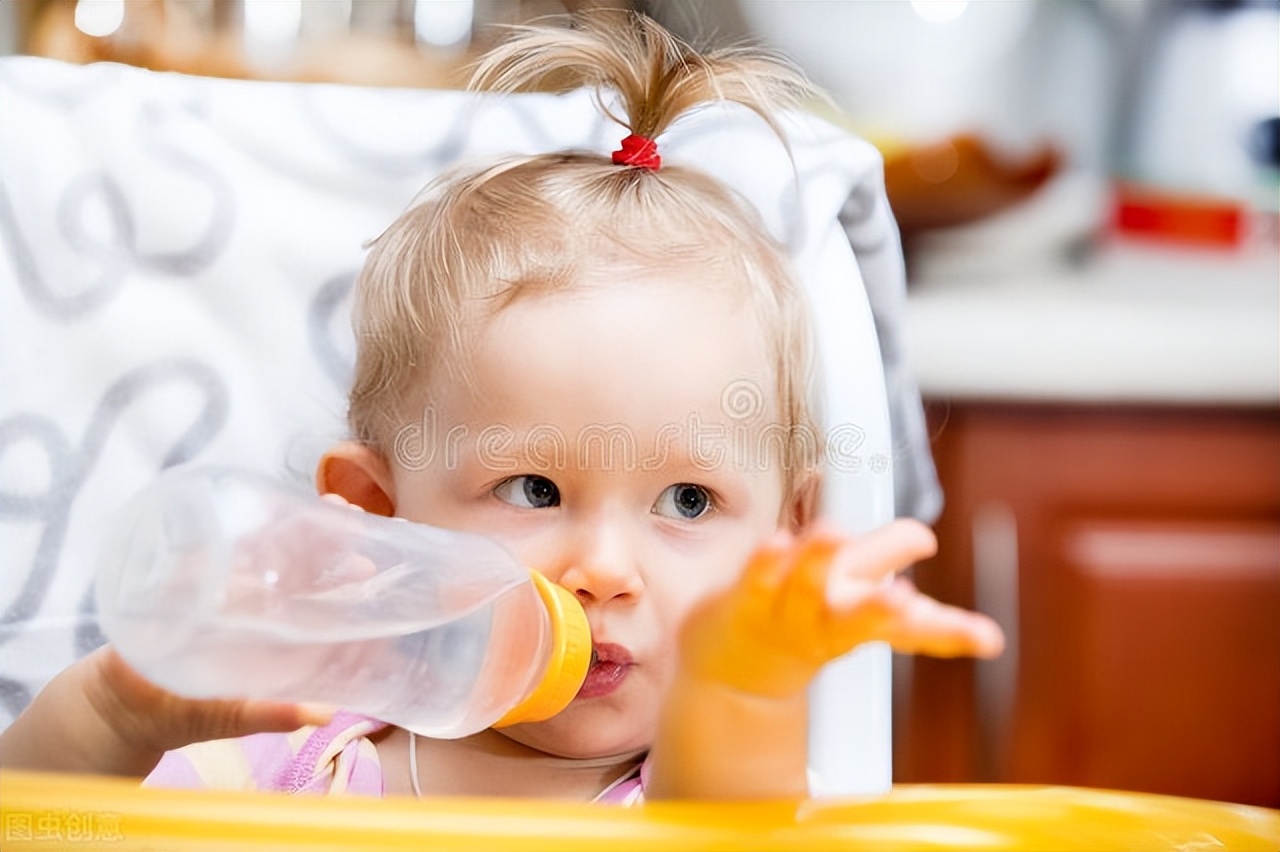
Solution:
(257, 716)
(219, 719)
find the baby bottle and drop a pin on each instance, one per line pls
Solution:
(215, 582)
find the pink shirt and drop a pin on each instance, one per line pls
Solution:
(337, 758)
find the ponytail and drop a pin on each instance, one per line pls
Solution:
(657, 77)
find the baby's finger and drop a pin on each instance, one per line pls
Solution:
(876, 555)
(214, 719)
(922, 625)
(804, 592)
(767, 567)
(265, 716)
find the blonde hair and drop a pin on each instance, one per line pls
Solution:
(484, 237)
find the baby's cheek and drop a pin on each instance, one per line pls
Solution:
(694, 584)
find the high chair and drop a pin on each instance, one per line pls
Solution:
(179, 258)
(176, 260)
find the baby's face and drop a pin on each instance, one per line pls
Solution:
(615, 438)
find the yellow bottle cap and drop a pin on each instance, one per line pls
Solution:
(570, 657)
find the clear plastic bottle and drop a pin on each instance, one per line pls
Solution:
(215, 582)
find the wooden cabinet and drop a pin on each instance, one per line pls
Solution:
(1134, 556)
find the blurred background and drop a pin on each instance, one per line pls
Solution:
(1088, 196)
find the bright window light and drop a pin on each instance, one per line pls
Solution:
(939, 11)
(443, 23)
(99, 18)
(272, 21)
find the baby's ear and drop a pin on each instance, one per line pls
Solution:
(802, 510)
(358, 474)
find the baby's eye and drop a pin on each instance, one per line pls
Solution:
(683, 500)
(528, 492)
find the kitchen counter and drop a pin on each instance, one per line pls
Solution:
(1133, 324)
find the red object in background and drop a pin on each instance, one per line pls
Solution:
(1175, 218)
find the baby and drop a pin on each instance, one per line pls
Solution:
(544, 344)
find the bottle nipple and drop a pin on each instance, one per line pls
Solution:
(571, 656)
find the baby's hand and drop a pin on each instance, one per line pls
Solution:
(100, 716)
(802, 602)
(152, 717)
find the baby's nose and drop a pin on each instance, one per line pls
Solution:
(602, 563)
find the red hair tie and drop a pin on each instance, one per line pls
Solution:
(638, 151)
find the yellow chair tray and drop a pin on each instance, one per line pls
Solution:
(51, 811)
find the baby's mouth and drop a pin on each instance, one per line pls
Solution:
(610, 665)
